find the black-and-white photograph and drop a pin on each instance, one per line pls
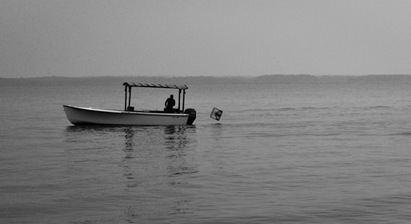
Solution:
(205, 111)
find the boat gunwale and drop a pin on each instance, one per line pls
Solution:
(148, 113)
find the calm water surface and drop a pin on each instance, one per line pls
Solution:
(280, 154)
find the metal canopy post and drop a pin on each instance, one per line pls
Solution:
(129, 96)
(184, 98)
(125, 97)
(179, 96)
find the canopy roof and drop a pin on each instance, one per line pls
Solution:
(132, 84)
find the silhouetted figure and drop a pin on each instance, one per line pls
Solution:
(170, 102)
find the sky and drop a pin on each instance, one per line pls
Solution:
(204, 38)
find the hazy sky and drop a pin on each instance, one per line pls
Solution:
(207, 38)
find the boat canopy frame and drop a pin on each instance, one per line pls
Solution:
(129, 86)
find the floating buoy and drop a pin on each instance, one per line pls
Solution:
(216, 114)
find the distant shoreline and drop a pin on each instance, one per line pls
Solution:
(206, 80)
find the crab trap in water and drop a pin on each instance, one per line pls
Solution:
(216, 114)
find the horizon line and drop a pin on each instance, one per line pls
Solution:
(204, 76)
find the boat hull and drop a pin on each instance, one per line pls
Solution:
(91, 116)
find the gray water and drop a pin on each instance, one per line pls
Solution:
(293, 153)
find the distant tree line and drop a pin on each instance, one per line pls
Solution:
(205, 80)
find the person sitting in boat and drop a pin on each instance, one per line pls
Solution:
(170, 102)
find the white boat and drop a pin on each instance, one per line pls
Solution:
(130, 117)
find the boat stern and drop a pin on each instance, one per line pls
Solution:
(192, 115)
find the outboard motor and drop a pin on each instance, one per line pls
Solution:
(192, 114)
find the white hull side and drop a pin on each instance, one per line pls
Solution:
(82, 115)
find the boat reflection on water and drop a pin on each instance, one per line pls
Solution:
(175, 138)
(159, 143)
(152, 146)
(158, 165)
(179, 145)
(146, 168)
(129, 143)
